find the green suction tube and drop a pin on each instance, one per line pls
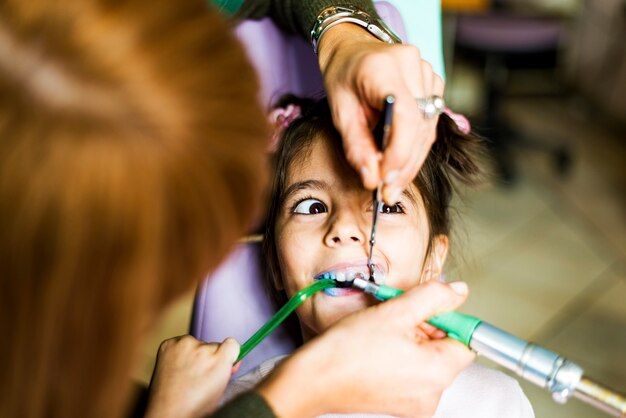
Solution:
(458, 326)
(293, 303)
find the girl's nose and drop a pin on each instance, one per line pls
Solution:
(346, 229)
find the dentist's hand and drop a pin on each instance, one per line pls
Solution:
(359, 72)
(374, 361)
(190, 377)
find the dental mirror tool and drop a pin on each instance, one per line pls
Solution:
(381, 136)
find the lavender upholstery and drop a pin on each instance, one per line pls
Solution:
(285, 63)
(231, 302)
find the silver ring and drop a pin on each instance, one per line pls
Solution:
(431, 106)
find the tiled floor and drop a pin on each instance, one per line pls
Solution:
(545, 259)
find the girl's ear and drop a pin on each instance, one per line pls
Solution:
(277, 281)
(436, 258)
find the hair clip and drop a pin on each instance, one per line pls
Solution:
(461, 121)
(280, 118)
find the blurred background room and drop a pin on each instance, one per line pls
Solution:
(543, 247)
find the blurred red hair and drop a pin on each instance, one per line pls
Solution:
(131, 157)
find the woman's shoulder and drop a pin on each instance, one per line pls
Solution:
(480, 391)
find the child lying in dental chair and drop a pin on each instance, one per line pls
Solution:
(319, 222)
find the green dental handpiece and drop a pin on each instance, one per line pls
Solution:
(458, 326)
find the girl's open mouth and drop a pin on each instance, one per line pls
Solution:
(344, 276)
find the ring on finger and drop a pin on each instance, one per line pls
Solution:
(431, 106)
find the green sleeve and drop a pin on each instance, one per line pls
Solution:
(296, 16)
(249, 404)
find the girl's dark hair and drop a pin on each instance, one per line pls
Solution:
(454, 155)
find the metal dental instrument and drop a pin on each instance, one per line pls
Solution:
(381, 136)
(561, 377)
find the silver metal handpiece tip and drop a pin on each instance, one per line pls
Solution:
(360, 283)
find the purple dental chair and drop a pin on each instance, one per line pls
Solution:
(232, 301)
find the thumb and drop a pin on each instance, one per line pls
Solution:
(228, 351)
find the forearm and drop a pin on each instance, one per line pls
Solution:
(297, 16)
(339, 38)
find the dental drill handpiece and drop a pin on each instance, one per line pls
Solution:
(381, 135)
(547, 369)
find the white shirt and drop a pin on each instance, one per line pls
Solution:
(477, 392)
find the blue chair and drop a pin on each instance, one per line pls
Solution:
(232, 301)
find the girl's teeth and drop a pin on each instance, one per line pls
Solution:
(351, 273)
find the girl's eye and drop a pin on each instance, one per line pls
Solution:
(397, 208)
(310, 207)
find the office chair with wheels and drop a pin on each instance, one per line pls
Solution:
(506, 40)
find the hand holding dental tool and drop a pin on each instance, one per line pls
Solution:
(562, 377)
(547, 369)
(381, 136)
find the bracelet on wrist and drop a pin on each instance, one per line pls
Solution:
(334, 15)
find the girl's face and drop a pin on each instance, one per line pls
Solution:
(324, 225)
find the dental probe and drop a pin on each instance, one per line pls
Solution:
(547, 369)
(381, 135)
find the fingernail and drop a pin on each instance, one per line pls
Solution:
(460, 288)
(391, 176)
(235, 368)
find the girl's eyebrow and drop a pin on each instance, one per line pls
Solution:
(303, 185)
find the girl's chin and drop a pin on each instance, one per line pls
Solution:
(336, 308)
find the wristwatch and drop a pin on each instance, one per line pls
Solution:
(335, 15)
